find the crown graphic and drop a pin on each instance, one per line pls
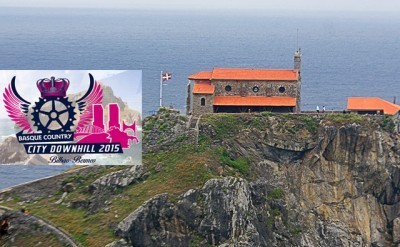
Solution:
(53, 87)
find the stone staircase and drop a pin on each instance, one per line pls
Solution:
(193, 127)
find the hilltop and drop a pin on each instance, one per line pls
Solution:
(257, 179)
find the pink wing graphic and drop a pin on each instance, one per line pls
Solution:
(17, 107)
(93, 96)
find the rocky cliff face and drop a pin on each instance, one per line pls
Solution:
(311, 182)
(11, 151)
(252, 180)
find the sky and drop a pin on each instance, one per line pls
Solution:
(312, 5)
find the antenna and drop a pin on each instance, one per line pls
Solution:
(297, 40)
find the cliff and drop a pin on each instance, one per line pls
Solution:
(11, 151)
(297, 181)
(252, 180)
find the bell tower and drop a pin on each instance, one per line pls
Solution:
(297, 60)
(297, 66)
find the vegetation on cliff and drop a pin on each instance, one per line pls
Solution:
(288, 176)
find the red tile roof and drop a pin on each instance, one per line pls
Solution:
(254, 101)
(371, 104)
(203, 88)
(247, 74)
(254, 74)
(202, 75)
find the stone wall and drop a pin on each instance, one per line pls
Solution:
(198, 109)
(265, 88)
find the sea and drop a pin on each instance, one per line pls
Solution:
(344, 53)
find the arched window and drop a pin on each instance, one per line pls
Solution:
(203, 102)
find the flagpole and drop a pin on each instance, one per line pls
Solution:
(161, 81)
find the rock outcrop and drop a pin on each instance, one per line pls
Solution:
(11, 151)
(221, 212)
(337, 185)
(103, 188)
(118, 179)
(164, 130)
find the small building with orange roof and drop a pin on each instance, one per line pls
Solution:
(245, 90)
(372, 105)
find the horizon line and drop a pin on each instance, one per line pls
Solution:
(256, 10)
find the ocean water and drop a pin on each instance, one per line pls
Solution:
(22, 174)
(344, 54)
(11, 175)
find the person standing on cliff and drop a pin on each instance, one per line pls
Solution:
(317, 109)
(323, 109)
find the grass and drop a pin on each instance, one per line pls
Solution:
(73, 221)
(260, 122)
(346, 118)
(267, 113)
(311, 124)
(241, 164)
(27, 240)
(225, 124)
(183, 168)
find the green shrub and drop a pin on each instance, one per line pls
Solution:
(276, 194)
(388, 124)
(163, 126)
(266, 113)
(295, 230)
(275, 212)
(271, 218)
(149, 125)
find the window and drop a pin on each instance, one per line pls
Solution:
(203, 102)
(228, 88)
(256, 89)
(281, 89)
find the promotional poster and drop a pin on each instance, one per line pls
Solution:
(73, 117)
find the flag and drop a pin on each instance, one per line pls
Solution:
(166, 76)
